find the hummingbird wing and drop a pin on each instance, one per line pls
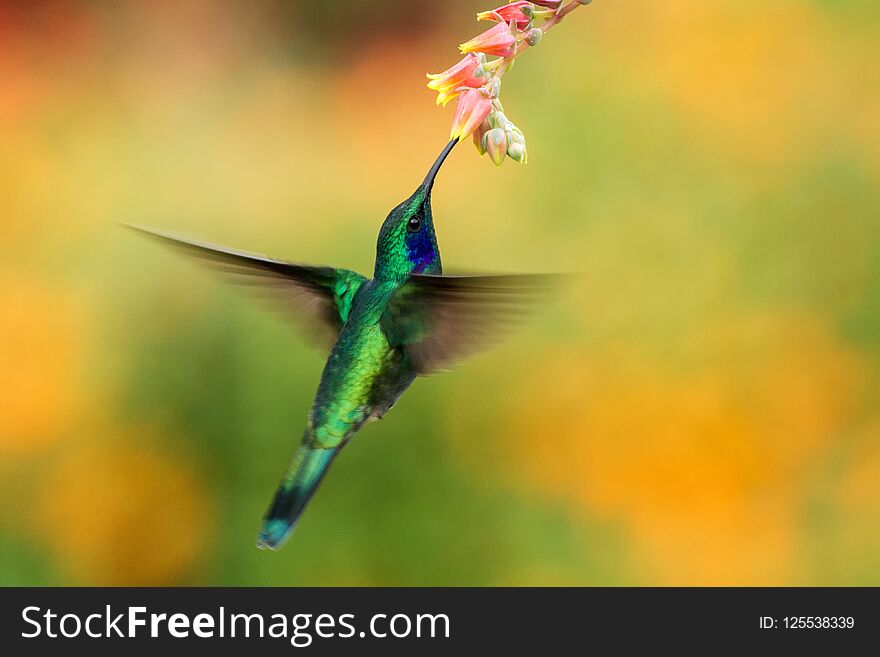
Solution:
(319, 297)
(439, 320)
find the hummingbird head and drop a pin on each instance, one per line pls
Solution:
(407, 243)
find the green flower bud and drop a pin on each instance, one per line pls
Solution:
(517, 152)
(516, 146)
(533, 36)
(495, 144)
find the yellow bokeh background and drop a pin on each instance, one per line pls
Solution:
(700, 408)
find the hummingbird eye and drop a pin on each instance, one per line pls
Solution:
(414, 223)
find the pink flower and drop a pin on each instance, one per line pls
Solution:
(518, 12)
(472, 109)
(550, 4)
(498, 41)
(466, 73)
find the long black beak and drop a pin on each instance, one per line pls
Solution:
(432, 173)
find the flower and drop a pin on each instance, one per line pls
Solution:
(518, 12)
(550, 4)
(466, 73)
(498, 41)
(476, 79)
(472, 109)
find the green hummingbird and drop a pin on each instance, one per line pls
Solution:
(407, 320)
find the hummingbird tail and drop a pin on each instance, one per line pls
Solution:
(306, 471)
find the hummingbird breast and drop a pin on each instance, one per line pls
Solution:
(364, 375)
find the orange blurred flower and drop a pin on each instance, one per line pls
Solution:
(125, 515)
(41, 333)
(706, 470)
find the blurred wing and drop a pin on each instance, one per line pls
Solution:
(318, 297)
(439, 320)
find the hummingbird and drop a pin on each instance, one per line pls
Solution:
(408, 320)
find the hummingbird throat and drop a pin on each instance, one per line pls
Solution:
(407, 242)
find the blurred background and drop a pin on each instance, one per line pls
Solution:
(703, 408)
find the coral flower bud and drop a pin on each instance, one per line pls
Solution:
(550, 4)
(472, 109)
(495, 144)
(518, 12)
(468, 72)
(497, 41)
